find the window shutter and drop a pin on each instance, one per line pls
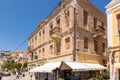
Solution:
(85, 15)
(85, 43)
(67, 43)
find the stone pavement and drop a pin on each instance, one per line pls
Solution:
(13, 77)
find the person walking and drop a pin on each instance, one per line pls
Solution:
(17, 75)
(31, 77)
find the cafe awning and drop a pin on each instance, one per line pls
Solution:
(78, 66)
(65, 65)
(47, 68)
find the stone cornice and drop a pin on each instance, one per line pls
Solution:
(112, 4)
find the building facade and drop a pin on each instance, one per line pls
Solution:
(75, 31)
(2, 55)
(19, 56)
(113, 21)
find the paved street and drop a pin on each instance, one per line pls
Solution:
(14, 77)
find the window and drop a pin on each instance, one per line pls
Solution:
(40, 37)
(102, 24)
(58, 22)
(51, 26)
(118, 22)
(36, 56)
(67, 18)
(43, 31)
(85, 43)
(51, 49)
(85, 18)
(33, 41)
(95, 22)
(43, 34)
(35, 38)
(39, 51)
(95, 45)
(67, 43)
(40, 34)
(58, 46)
(103, 47)
(32, 55)
(43, 51)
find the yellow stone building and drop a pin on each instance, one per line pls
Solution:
(75, 31)
(113, 21)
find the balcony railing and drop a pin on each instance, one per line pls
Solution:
(55, 32)
(30, 48)
(98, 31)
(100, 28)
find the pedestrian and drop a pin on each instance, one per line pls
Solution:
(23, 74)
(17, 75)
(31, 76)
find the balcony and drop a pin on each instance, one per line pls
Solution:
(55, 33)
(98, 31)
(30, 48)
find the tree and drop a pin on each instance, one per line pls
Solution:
(11, 65)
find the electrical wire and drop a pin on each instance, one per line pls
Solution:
(20, 45)
(38, 26)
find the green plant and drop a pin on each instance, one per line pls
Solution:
(97, 77)
(104, 75)
(11, 65)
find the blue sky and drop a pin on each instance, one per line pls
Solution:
(19, 18)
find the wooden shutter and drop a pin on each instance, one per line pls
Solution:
(85, 43)
(103, 47)
(95, 23)
(67, 43)
(58, 22)
(85, 15)
(51, 49)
